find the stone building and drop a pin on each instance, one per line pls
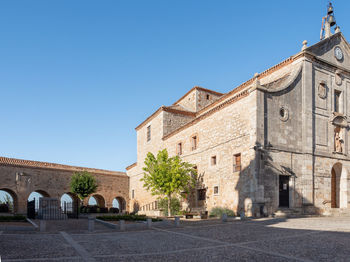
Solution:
(279, 140)
(20, 178)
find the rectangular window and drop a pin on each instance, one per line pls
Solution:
(148, 133)
(133, 194)
(194, 142)
(201, 194)
(213, 160)
(208, 97)
(237, 162)
(179, 149)
(216, 190)
(337, 100)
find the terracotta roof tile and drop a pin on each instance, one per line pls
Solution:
(6, 161)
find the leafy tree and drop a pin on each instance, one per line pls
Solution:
(83, 184)
(167, 176)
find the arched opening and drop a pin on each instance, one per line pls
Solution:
(119, 203)
(97, 200)
(8, 201)
(338, 186)
(35, 196)
(68, 200)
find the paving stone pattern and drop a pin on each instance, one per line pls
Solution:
(298, 239)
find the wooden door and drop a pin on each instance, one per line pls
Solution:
(334, 189)
(284, 191)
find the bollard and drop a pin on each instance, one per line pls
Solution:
(42, 225)
(122, 225)
(91, 224)
(224, 217)
(177, 221)
(149, 222)
(242, 215)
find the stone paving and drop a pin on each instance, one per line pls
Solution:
(298, 239)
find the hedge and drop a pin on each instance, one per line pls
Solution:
(126, 218)
(15, 218)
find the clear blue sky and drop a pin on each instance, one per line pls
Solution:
(76, 77)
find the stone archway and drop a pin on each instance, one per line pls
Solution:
(14, 199)
(100, 201)
(339, 197)
(121, 204)
(35, 195)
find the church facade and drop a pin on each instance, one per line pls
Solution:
(279, 140)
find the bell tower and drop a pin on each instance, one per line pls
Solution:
(328, 22)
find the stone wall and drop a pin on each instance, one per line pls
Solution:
(20, 182)
(223, 133)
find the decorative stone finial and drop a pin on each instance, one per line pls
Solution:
(304, 45)
(256, 80)
(337, 29)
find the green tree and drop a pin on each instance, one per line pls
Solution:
(167, 176)
(83, 184)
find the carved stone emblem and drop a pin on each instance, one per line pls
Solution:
(322, 90)
(338, 78)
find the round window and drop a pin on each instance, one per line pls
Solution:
(284, 114)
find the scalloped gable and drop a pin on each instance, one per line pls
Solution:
(324, 50)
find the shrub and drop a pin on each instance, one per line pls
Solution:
(4, 208)
(174, 206)
(114, 210)
(218, 211)
(15, 218)
(126, 218)
(103, 210)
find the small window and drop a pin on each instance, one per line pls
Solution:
(201, 194)
(133, 194)
(179, 149)
(337, 101)
(213, 160)
(216, 190)
(208, 97)
(194, 143)
(237, 162)
(148, 133)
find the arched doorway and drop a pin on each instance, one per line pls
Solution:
(338, 186)
(119, 203)
(35, 195)
(97, 200)
(8, 201)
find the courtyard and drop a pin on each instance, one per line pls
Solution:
(266, 239)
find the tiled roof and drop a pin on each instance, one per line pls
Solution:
(131, 166)
(5, 161)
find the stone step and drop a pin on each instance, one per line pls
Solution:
(287, 212)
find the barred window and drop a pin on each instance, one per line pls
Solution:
(179, 149)
(194, 142)
(148, 133)
(216, 190)
(213, 160)
(237, 162)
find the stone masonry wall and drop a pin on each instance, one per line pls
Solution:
(223, 134)
(55, 183)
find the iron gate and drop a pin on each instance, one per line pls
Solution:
(31, 209)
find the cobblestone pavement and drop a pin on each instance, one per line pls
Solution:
(299, 239)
